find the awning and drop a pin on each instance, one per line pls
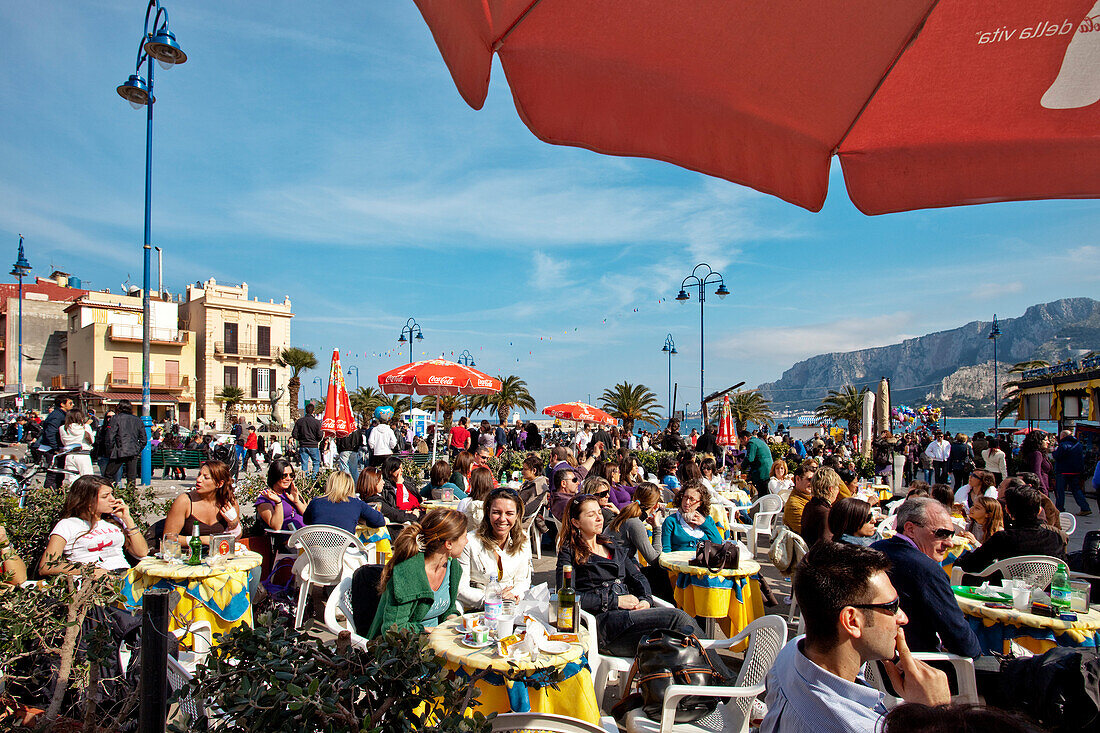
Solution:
(155, 398)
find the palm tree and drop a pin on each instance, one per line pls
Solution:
(630, 403)
(297, 360)
(1011, 404)
(745, 407)
(447, 404)
(364, 400)
(513, 393)
(844, 404)
(230, 397)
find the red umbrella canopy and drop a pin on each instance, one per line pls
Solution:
(727, 431)
(927, 102)
(437, 377)
(579, 412)
(338, 418)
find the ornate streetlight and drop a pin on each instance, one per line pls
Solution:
(157, 42)
(702, 279)
(355, 368)
(670, 349)
(467, 359)
(994, 334)
(412, 328)
(20, 269)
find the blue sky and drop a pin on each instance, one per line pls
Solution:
(328, 157)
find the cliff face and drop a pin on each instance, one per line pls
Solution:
(925, 368)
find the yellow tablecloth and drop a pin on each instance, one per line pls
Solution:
(439, 504)
(996, 627)
(522, 685)
(732, 597)
(379, 537)
(218, 595)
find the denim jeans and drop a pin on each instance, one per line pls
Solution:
(314, 455)
(1073, 480)
(348, 460)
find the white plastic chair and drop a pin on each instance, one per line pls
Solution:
(964, 674)
(1068, 522)
(529, 722)
(338, 613)
(766, 636)
(768, 508)
(202, 638)
(193, 708)
(1037, 570)
(323, 559)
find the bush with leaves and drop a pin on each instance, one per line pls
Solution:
(273, 678)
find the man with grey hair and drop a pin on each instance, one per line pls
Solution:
(925, 534)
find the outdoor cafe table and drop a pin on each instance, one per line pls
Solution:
(378, 536)
(732, 597)
(996, 627)
(440, 503)
(521, 685)
(215, 594)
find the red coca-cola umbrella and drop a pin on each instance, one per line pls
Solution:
(926, 102)
(579, 412)
(437, 377)
(338, 419)
(727, 430)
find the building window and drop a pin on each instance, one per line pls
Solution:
(261, 383)
(230, 330)
(263, 340)
(230, 376)
(120, 370)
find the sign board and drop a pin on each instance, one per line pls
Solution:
(19, 403)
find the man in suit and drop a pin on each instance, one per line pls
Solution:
(925, 534)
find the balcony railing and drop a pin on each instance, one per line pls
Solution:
(132, 380)
(126, 332)
(260, 351)
(66, 381)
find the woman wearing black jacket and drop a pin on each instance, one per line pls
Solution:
(369, 486)
(609, 584)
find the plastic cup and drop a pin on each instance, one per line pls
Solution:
(505, 626)
(1021, 598)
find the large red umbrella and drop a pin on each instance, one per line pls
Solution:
(437, 377)
(579, 412)
(338, 418)
(927, 102)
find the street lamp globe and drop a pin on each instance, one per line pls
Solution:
(164, 49)
(682, 296)
(135, 91)
(722, 291)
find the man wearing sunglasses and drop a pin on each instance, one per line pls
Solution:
(925, 534)
(852, 617)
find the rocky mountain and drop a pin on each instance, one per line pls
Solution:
(951, 367)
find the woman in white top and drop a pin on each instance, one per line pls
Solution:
(76, 431)
(995, 461)
(498, 547)
(94, 529)
(779, 481)
(980, 484)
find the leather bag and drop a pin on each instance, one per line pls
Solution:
(668, 657)
(715, 556)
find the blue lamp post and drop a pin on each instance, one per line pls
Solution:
(994, 334)
(467, 359)
(320, 388)
(355, 368)
(670, 349)
(412, 328)
(157, 42)
(20, 269)
(702, 278)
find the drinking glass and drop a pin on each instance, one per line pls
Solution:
(1021, 597)
(170, 547)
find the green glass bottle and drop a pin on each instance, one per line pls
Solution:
(196, 547)
(567, 603)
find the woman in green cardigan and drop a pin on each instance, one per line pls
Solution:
(420, 582)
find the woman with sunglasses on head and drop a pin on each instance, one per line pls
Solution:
(691, 523)
(419, 585)
(609, 584)
(279, 505)
(498, 547)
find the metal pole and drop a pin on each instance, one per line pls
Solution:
(702, 405)
(670, 383)
(20, 332)
(996, 393)
(146, 413)
(153, 698)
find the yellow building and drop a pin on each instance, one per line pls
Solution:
(237, 343)
(102, 354)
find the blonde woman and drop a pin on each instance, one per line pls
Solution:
(340, 507)
(497, 548)
(825, 487)
(779, 481)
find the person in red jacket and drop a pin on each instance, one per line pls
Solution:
(251, 449)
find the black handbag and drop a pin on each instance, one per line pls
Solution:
(668, 657)
(715, 556)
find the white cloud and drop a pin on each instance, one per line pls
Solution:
(989, 290)
(786, 345)
(548, 272)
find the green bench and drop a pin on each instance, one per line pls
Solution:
(176, 458)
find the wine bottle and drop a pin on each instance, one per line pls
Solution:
(567, 603)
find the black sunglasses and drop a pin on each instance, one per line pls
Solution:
(890, 608)
(502, 491)
(943, 533)
(581, 498)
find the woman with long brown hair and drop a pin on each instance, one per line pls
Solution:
(369, 487)
(419, 584)
(498, 547)
(609, 584)
(460, 472)
(210, 504)
(636, 528)
(691, 523)
(94, 528)
(986, 517)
